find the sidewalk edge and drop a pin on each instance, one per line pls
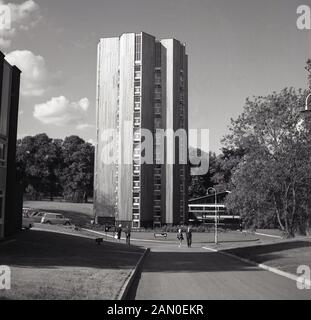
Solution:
(129, 281)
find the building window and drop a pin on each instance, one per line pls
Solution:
(136, 211)
(2, 154)
(137, 47)
(157, 95)
(1, 204)
(157, 110)
(137, 74)
(158, 54)
(157, 197)
(135, 224)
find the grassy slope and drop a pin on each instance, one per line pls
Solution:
(286, 255)
(59, 266)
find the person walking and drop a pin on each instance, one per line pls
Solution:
(180, 237)
(119, 231)
(189, 237)
(128, 235)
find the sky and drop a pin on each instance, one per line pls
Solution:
(236, 48)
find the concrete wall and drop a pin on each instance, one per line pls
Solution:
(125, 193)
(105, 184)
(169, 124)
(175, 61)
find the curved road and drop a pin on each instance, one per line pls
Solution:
(176, 273)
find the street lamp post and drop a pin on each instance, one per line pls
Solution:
(216, 224)
(307, 112)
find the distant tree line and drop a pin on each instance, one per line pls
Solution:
(50, 168)
(266, 163)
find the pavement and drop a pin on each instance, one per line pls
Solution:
(170, 272)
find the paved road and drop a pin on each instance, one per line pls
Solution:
(176, 273)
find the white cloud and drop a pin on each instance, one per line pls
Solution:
(23, 17)
(84, 126)
(22, 135)
(35, 79)
(4, 44)
(60, 111)
(91, 141)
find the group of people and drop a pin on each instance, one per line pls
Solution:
(180, 237)
(127, 234)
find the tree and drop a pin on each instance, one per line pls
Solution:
(78, 173)
(272, 177)
(53, 167)
(225, 165)
(199, 185)
(38, 163)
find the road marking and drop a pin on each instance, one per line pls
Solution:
(268, 235)
(262, 234)
(210, 249)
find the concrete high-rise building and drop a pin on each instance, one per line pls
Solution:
(142, 84)
(11, 199)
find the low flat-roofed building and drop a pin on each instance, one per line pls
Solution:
(202, 210)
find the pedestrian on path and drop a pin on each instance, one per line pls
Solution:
(119, 231)
(128, 235)
(189, 237)
(180, 237)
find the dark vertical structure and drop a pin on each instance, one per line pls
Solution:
(10, 191)
(147, 121)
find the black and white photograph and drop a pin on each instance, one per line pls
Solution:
(155, 155)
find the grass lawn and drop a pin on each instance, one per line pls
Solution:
(80, 213)
(285, 255)
(48, 265)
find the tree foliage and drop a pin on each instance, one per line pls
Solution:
(272, 180)
(53, 167)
